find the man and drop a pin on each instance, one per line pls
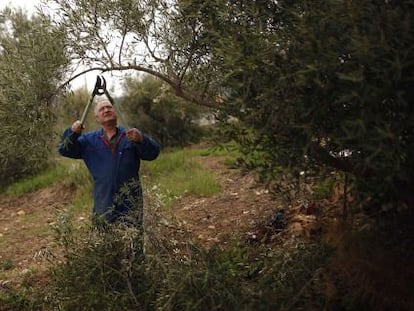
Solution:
(112, 156)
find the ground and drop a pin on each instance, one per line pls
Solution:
(25, 230)
(244, 211)
(235, 213)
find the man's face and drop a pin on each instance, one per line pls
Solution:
(104, 112)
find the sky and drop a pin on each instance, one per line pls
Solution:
(28, 5)
(87, 79)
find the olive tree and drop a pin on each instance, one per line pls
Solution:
(323, 84)
(153, 108)
(150, 36)
(311, 84)
(32, 61)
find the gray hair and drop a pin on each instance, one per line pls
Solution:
(98, 100)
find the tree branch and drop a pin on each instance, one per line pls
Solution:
(179, 89)
(320, 154)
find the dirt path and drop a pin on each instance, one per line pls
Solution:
(25, 229)
(233, 214)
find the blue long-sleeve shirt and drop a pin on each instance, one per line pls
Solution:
(111, 167)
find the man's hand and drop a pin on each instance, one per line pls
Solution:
(77, 127)
(134, 135)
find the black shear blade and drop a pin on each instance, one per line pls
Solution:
(100, 85)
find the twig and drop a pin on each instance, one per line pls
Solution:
(297, 297)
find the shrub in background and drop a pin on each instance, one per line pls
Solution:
(152, 107)
(32, 61)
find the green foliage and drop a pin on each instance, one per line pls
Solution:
(30, 184)
(323, 188)
(26, 297)
(303, 85)
(151, 106)
(32, 59)
(163, 39)
(322, 84)
(103, 269)
(62, 171)
(210, 280)
(100, 268)
(76, 175)
(12, 300)
(6, 264)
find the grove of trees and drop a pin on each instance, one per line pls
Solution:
(325, 84)
(303, 87)
(313, 85)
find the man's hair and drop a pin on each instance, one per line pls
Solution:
(99, 100)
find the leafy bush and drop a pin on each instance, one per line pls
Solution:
(315, 85)
(104, 269)
(32, 59)
(152, 107)
(99, 269)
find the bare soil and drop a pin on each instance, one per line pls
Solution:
(25, 230)
(245, 212)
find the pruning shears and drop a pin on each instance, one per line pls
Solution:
(99, 89)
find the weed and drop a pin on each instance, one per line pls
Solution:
(103, 268)
(6, 264)
(323, 188)
(23, 299)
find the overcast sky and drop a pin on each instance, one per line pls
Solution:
(88, 79)
(28, 5)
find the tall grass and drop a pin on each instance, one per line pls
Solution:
(176, 173)
(62, 170)
(30, 184)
